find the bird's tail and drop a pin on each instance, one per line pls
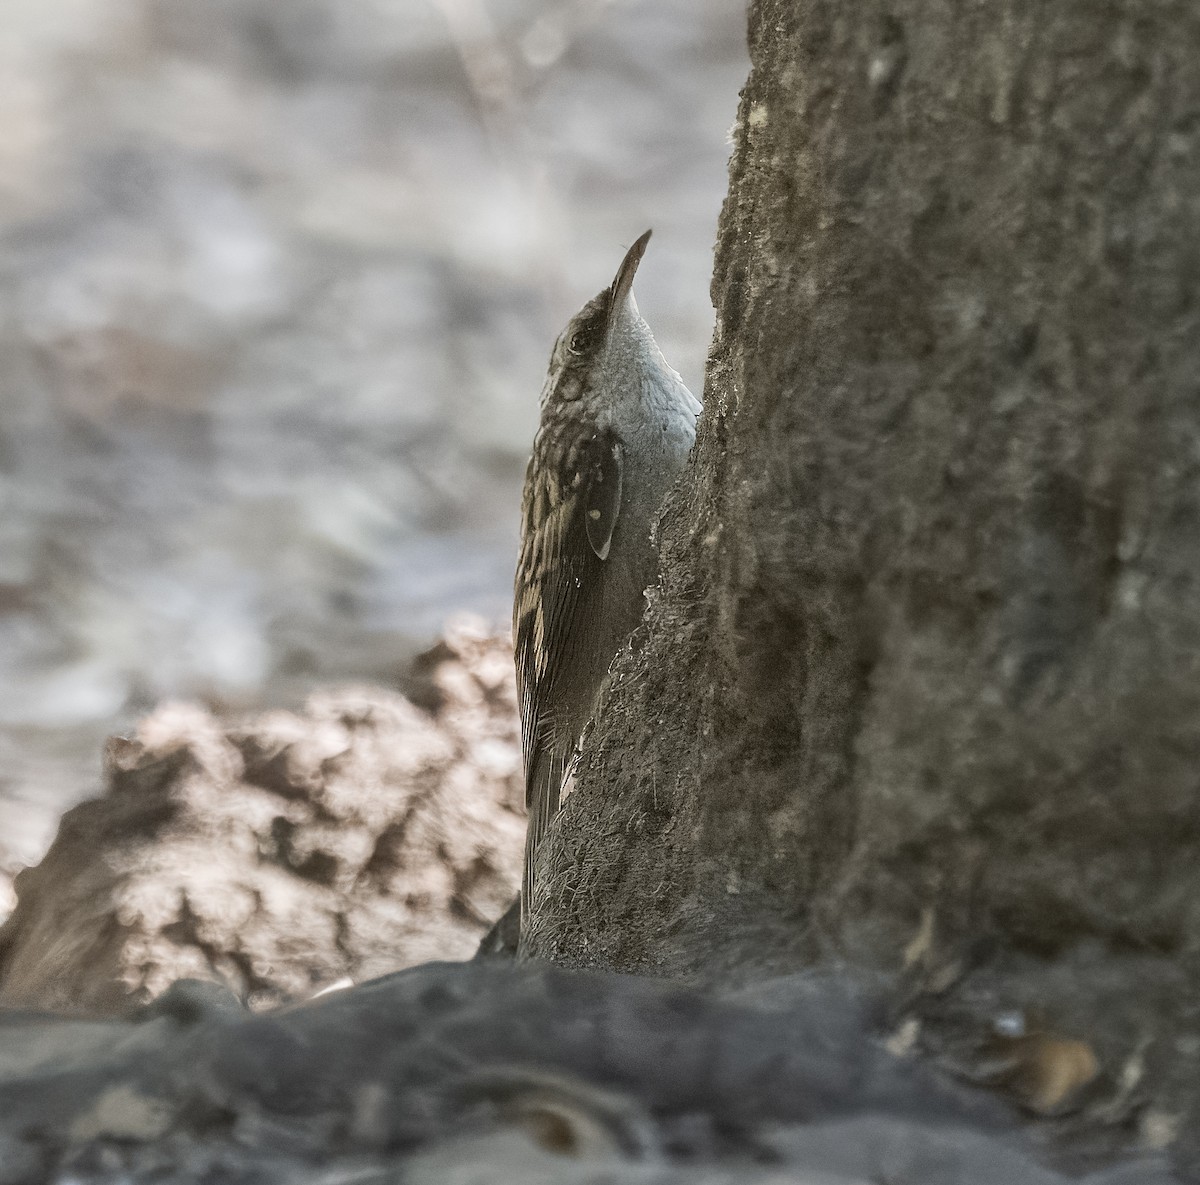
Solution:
(543, 789)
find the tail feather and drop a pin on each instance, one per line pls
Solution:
(544, 780)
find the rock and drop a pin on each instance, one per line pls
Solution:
(281, 855)
(489, 1072)
(8, 896)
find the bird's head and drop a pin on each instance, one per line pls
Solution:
(605, 350)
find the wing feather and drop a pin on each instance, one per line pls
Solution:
(570, 514)
(603, 498)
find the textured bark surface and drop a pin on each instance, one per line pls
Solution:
(921, 688)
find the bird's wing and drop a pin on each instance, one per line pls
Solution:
(570, 513)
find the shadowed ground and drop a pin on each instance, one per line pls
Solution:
(489, 1073)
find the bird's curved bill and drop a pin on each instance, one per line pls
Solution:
(623, 281)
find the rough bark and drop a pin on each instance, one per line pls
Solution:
(921, 686)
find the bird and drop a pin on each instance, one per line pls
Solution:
(616, 428)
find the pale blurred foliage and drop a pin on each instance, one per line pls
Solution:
(279, 282)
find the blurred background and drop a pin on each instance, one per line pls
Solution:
(280, 279)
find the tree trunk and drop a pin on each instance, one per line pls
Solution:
(921, 686)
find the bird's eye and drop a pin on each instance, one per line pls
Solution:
(587, 330)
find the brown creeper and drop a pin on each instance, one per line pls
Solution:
(616, 427)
